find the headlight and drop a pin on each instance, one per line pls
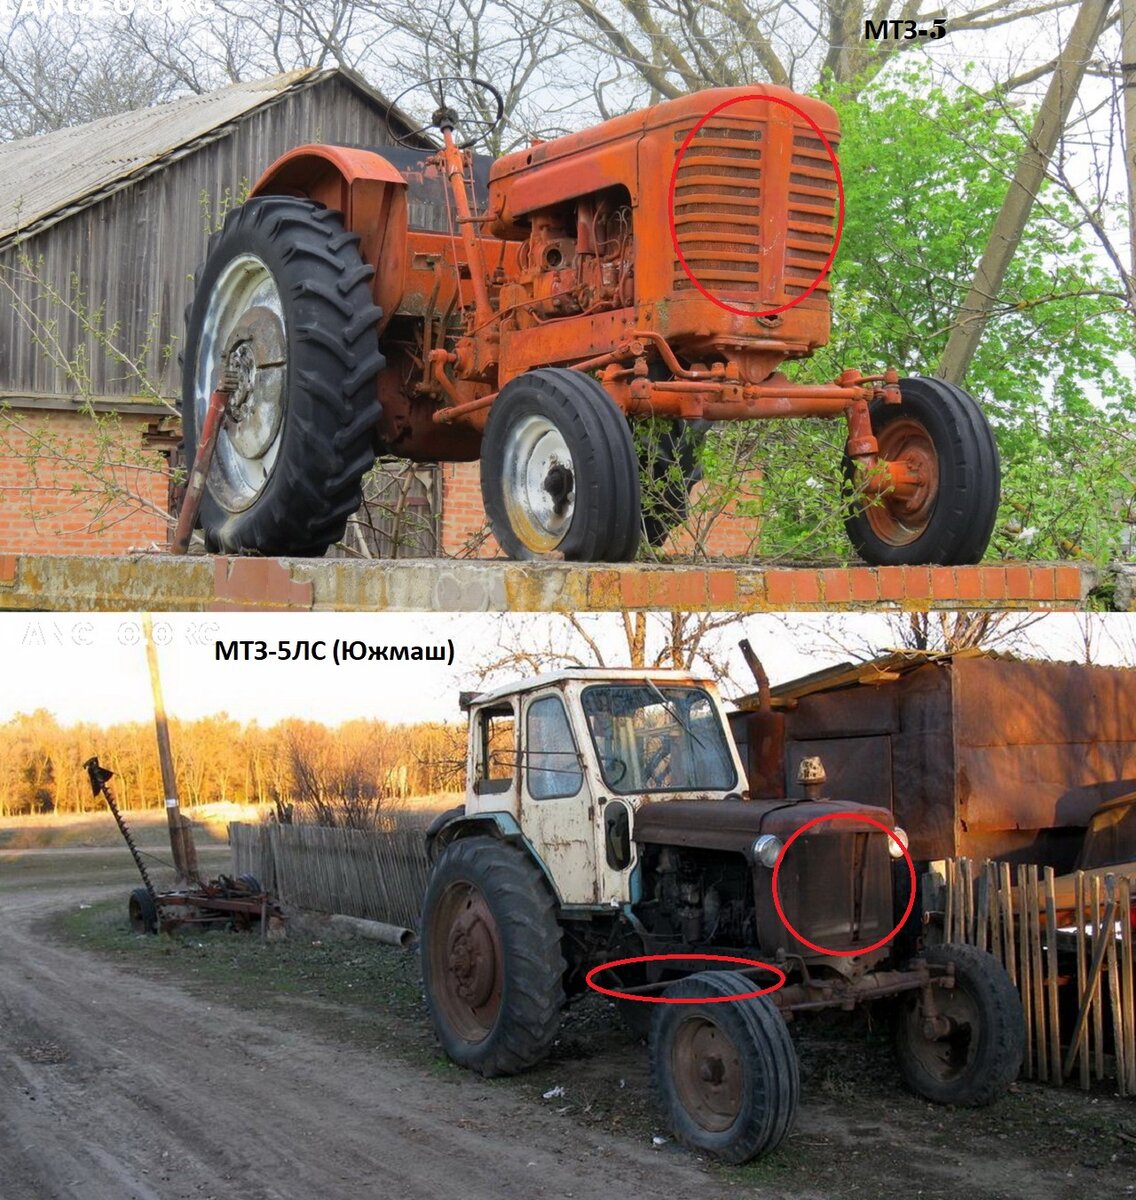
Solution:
(899, 836)
(766, 849)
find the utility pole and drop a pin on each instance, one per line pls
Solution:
(1007, 230)
(181, 845)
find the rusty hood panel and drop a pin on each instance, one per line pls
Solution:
(732, 825)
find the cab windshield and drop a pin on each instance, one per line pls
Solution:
(652, 738)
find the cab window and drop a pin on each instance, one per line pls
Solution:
(551, 760)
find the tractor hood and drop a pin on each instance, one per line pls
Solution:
(732, 825)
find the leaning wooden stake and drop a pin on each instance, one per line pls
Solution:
(1082, 975)
(1025, 961)
(1114, 989)
(1037, 971)
(1006, 899)
(1098, 1006)
(1087, 997)
(1051, 973)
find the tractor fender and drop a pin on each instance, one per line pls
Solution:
(371, 195)
(449, 826)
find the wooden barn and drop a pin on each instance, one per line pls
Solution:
(101, 229)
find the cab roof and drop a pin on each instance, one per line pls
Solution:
(586, 675)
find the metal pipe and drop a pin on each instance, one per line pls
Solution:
(375, 931)
(199, 472)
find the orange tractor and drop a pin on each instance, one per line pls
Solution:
(441, 306)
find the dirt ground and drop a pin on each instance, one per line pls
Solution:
(213, 1066)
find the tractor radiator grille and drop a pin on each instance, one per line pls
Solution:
(839, 892)
(749, 232)
(812, 213)
(717, 210)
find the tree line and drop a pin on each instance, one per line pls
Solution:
(306, 770)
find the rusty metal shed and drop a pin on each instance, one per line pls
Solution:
(976, 753)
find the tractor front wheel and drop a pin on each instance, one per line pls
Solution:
(724, 1072)
(284, 301)
(559, 474)
(940, 435)
(969, 1049)
(492, 967)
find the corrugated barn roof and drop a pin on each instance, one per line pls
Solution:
(45, 179)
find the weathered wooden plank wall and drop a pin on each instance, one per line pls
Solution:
(131, 256)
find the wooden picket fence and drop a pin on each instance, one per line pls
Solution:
(377, 874)
(1012, 911)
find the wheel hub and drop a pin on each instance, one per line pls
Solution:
(902, 513)
(256, 358)
(708, 1073)
(540, 483)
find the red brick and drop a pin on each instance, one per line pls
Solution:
(865, 584)
(837, 586)
(1018, 581)
(685, 589)
(723, 588)
(1068, 583)
(917, 583)
(634, 587)
(806, 586)
(968, 583)
(779, 588)
(7, 569)
(1043, 582)
(993, 583)
(893, 586)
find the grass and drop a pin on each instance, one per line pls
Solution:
(58, 831)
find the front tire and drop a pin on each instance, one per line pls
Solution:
(492, 966)
(974, 1062)
(941, 434)
(559, 475)
(285, 289)
(724, 1073)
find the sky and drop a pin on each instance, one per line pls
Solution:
(92, 667)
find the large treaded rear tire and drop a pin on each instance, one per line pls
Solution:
(298, 503)
(942, 427)
(976, 1064)
(725, 1073)
(559, 473)
(492, 965)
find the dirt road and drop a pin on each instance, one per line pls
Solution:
(124, 1077)
(114, 1087)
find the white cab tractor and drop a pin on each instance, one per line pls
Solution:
(608, 817)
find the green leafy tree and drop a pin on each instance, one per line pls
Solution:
(925, 172)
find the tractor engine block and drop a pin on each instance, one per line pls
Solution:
(577, 259)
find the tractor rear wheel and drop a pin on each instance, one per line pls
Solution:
(492, 967)
(725, 1072)
(970, 1050)
(942, 436)
(285, 298)
(559, 475)
(143, 911)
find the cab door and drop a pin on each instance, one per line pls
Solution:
(556, 804)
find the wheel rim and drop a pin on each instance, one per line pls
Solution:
(466, 962)
(244, 316)
(539, 478)
(945, 1057)
(901, 515)
(708, 1073)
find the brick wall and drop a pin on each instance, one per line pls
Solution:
(718, 531)
(75, 484)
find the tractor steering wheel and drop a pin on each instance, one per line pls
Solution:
(445, 115)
